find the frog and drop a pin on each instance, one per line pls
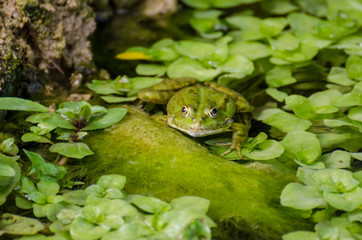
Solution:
(201, 109)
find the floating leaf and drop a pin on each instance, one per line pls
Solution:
(185, 67)
(19, 225)
(113, 116)
(269, 149)
(279, 76)
(150, 204)
(340, 76)
(337, 159)
(151, 69)
(347, 201)
(72, 149)
(9, 176)
(353, 67)
(251, 50)
(303, 146)
(115, 99)
(301, 197)
(19, 104)
(195, 49)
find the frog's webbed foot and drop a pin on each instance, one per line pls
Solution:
(240, 135)
(233, 146)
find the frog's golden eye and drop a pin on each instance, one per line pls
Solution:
(185, 111)
(213, 112)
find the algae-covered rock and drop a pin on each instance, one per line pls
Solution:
(161, 162)
(43, 42)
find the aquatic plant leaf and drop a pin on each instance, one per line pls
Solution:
(355, 113)
(113, 116)
(280, 76)
(285, 42)
(150, 204)
(301, 197)
(73, 149)
(353, 67)
(337, 159)
(195, 49)
(76, 197)
(251, 50)
(19, 225)
(9, 147)
(48, 188)
(33, 137)
(115, 99)
(322, 101)
(340, 76)
(276, 94)
(112, 181)
(185, 67)
(301, 235)
(314, 7)
(83, 230)
(237, 64)
(19, 104)
(302, 146)
(282, 120)
(9, 176)
(351, 8)
(347, 201)
(52, 119)
(44, 169)
(133, 56)
(266, 150)
(151, 69)
(278, 7)
(205, 4)
(138, 83)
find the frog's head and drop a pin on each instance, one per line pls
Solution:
(200, 111)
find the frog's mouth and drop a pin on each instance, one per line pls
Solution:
(197, 130)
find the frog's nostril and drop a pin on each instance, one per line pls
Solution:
(194, 120)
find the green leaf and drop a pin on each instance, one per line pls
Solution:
(285, 42)
(330, 180)
(301, 235)
(302, 146)
(353, 67)
(82, 230)
(33, 137)
(302, 106)
(205, 4)
(23, 203)
(43, 169)
(237, 64)
(18, 104)
(196, 204)
(278, 7)
(337, 159)
(139, 83)
(150, 204)
(73, 149)
(195, 49)
(112, 181)
(314, 7)
(19, 225)
(48, 188)
(347, 201)
(322, 101)
(113, 116)
(151, 69)
(355, 113)
(340, 76)
(52, 119)
(76, 197)
(279, 76)
(251, 50)
(276, 94)
(284, 121)
(185, 67)
(38, 198)
(115, 99)
(9, 147)
(9, 176)
(301, 197)
(269, 149)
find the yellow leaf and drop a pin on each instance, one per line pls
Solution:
(132, 56)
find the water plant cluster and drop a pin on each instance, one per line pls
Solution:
(302, 58)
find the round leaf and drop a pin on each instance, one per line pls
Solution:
(74, 150)
(113, 116)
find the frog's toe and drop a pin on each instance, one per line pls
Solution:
(232, 148)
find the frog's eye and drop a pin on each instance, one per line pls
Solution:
(213, 112)
(185, 111)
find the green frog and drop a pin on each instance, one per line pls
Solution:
(200, 109)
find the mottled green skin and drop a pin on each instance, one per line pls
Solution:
(200, 100)
(161, 162)
(190, 106)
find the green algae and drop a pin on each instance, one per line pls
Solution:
(161, 162)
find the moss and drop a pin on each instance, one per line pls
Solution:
(161, 162)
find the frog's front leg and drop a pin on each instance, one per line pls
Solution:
(162, 119)
(240, 135)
